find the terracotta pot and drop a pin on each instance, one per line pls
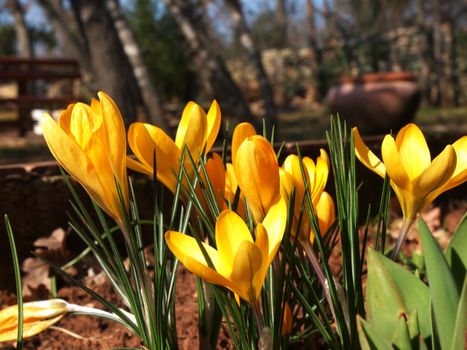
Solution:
(377, 102)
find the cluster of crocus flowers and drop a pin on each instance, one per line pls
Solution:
(414, 177)
(310, 176)
(239, 263)
(89, 142)
(196, 132)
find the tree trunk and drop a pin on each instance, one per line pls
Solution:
(441, 82)
(130, 46)
(281, 20)
(425, 57)
(213, 74)
(67, 33)
(246, 39)
(22, 34)
(316, 55)
(113, 70)
(454, 66)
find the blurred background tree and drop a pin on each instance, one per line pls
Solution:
(257, 58)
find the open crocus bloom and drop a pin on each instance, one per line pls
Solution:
(89, 142)
(37, 316)
(195, 131)
(316, 175)
(415, 179)
(239, 263)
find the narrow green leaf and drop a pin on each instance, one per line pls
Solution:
(443, 290)
(456, 254)
(461, 320)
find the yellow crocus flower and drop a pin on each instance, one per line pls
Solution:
(326, 214)
(316, 175)
(216, 174)
(257, 174)
(195, 131)
(239, 263)
(287, 321)
(414, 177)
(37, 316)
(89, 142)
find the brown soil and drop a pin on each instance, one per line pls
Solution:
(90, 333)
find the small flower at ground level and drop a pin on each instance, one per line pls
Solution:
(287, 322)
(197, 131)
(414, 177)
(37, 316)
(316, 175)
(216, 174)
(89, 142)
(239, 263)
(257, 174)
(326, 214)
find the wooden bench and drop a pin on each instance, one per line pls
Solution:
(33, 78)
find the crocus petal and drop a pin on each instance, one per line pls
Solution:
(394, 167)
(459, 175)
(241, 133)
(83, 124)
(71, 157)
(287, 184)
(115, 136)
(367, 157)
(145, 139)
(257, 174)
(287, 322)
(274, 223)
(216, 172)
(326, 212)
(187, 250)
(413, 150)
(231, 232)
(214, 123)
(65, 118)
(191, 131)
(37, 316)
(437, 173)
(248, 273)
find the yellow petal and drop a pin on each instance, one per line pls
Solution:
(287, 184)
(326, 212)
(437, 173)
(72, 158)
(459, 175)
(83, 124)
(187, 250)
(241, 133)
(138, 166)
(145, 139)
(65, 118)
(257, 174)
(214, 123)
(115, 138)
(274, 223)
(367, 157)
(394, 167)
(37, 316)
(248, 273)
(216, 172)
(413, 150)
(231, 232)
(192, 130)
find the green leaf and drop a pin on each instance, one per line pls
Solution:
(401, 337)
(392, 290)
(456, 254)
(461, 320)
(443, 290)
(369, 337)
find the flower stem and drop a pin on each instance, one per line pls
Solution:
(265, 336)
(407, 224)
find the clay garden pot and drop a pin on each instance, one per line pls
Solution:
(377, 102)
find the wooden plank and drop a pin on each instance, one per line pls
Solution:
(38, 99)
(13, 61)
(35, 75)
